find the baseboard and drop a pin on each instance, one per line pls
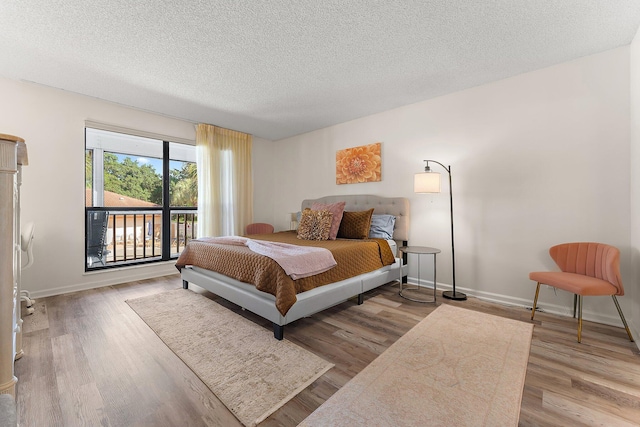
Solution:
(560, 310)
(102, 278)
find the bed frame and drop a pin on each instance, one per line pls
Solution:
(263, 304)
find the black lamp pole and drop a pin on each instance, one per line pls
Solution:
(458, 296)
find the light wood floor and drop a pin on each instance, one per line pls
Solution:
(91, 361)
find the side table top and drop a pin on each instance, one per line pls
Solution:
(419, 250)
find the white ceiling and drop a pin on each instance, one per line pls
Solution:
(280, 68)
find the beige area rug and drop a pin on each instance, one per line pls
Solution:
(250, 371)
(457, 367)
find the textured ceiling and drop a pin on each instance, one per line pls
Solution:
(280, 68)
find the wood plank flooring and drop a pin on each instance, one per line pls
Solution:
(91, 361)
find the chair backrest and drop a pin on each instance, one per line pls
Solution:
(96, 232)
(590, 259)
(259, 228)
(26, 242)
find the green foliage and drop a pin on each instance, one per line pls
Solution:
(183, 185)
(88, 168)
(129, 178)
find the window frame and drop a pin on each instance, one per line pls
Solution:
(182, 154)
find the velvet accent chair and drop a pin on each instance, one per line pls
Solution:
(259, 228)
(587, 269)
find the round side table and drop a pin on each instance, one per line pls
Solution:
(419, 251)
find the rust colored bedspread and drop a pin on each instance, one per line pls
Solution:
(354, 257)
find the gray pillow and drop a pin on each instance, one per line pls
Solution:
(382, 226)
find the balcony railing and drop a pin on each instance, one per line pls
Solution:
(133, 236)
(186, 224)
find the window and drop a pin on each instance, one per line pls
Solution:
(141, 198)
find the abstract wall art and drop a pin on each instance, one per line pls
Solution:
(359, 164)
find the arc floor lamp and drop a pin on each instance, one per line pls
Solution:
(429, 182)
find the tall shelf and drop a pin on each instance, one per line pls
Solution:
(13, 155)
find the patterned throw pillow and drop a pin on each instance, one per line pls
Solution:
(315, 225)
(355, 225)
(337, 210)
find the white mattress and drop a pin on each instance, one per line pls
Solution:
(394, 247)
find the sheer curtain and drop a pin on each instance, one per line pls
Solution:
(225, 186)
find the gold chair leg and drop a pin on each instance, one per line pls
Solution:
(624, 322)
(535, 301)
(580, 318)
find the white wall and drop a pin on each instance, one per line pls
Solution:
(52, 123)
(263, 180)
(537, 159)
(633, 285)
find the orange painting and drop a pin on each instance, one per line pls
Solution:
(359, 164)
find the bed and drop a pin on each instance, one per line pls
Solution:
(308, 302)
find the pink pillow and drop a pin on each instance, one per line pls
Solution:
(337, 209)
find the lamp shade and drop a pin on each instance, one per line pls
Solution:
(426, 182)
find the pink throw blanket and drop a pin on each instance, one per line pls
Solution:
(296, 261)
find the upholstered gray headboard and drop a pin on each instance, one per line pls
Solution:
(397, 206)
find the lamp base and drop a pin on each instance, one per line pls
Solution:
(458, 296)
